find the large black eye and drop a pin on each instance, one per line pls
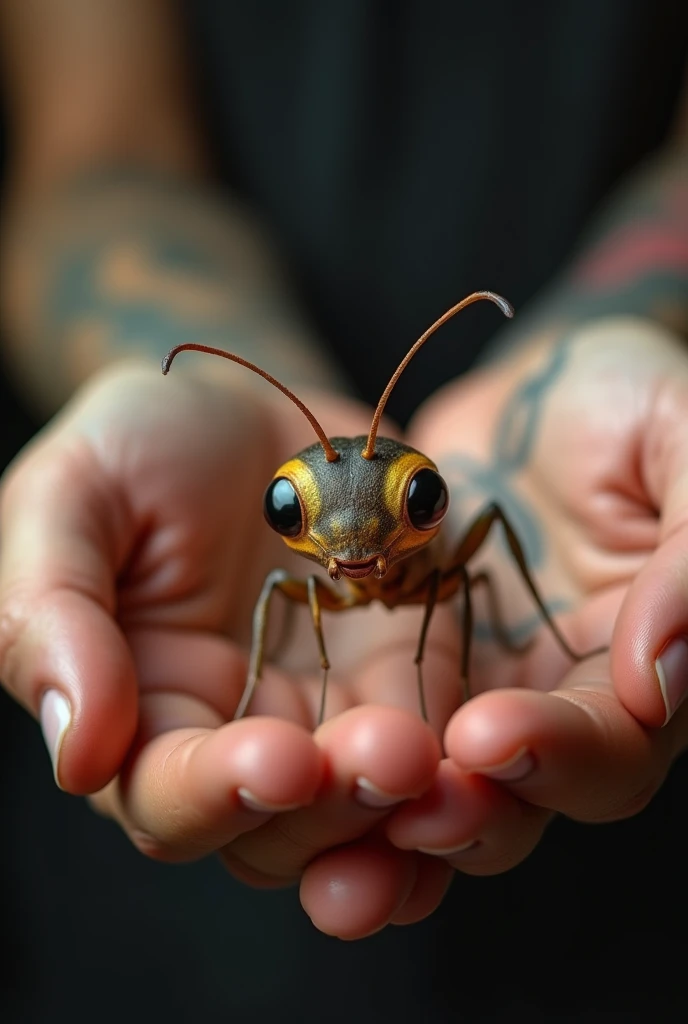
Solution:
(427, 499)
(282, 508)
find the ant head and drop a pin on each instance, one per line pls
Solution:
(356, 505)
(357, 516)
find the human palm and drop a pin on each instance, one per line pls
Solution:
(135, 548)
(585, 446)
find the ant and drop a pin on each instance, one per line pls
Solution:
(367, 509)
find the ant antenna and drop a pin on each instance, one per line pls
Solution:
(330, 454)
(506, 308)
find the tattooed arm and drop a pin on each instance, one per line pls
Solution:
(116, 243)
(632, 261)
(580, 431)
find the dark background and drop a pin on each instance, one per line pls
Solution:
(407, 152)
(400, 183)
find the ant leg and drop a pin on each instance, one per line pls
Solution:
(321, 596)
(432, 583)
(316, 617)
(466, 632)
(468, 583)
(474, 538)
(436, 581)
(441, 585)
(496, 619)
(299, 592)
(293, 589)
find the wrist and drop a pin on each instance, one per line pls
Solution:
(128, 266)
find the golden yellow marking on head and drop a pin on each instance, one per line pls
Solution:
(396, 485)
(367, 530)
(397, 480)
(337, 530)
(302, 479)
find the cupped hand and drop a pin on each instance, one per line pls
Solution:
(584, 443)
(133, 548)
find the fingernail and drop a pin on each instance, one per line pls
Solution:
(672, 672)
(512, 770)
(253, 803)
(450, 851)
(56, 716)
(370, 796)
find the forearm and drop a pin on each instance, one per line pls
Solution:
(633, 261)
(124, 265)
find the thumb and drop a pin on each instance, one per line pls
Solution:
(62, 655)
(649, 655)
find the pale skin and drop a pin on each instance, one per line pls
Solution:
(128, 573)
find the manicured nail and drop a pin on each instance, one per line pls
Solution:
(56, 716)
(672, 672)
(514, 769)
(370, 796)
(253, 803)
(450, 851)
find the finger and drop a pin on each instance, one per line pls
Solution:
(61, 654)
(188, 792)
(468, 821)
(376, 757)
(576, 750)
(433, 878)
(354, 892)
(650, 644)
(69, 665)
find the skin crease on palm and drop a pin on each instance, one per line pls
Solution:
(177, 521)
